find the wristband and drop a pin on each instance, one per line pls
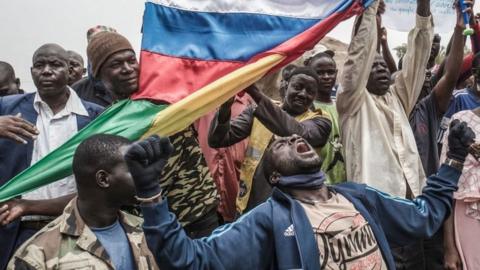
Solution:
(148, 200)
(454, 164)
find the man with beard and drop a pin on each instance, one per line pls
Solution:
(305, 224)
(261, 121)
(31, 126)
(89, 88)
(186, 179)
(332, 153)
(92, 232)
(374, 115)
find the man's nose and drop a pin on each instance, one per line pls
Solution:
(47, 70)
(303, 92)
(324, 75)
(127, 68)
(293, 138)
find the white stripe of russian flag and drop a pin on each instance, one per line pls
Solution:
(302, 9)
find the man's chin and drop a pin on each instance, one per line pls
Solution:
(326, 88)
(127, 91)
(309, 165)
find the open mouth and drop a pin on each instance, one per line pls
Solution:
(302, 147)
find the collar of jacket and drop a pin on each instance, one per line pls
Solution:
(288, 212)
(72, 224)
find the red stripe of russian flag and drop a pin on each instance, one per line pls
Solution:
(170, 79)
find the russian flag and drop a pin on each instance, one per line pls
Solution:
(195, 56)
(199, 42)
(198, 54)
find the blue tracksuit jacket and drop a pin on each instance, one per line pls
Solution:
(258, 239)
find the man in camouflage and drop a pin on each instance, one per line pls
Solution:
(92, 232)
(186, 180)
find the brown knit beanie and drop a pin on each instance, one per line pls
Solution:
(102, 46)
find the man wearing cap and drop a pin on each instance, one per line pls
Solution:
(31, 126)
(186, 179)
(89, 88)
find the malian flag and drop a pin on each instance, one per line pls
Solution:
(196, 55)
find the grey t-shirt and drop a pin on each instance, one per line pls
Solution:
(425, 122)
(114, 239)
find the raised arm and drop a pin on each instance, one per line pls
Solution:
(227, 248)
(445, 86)
(315, 130)
(409, 81)
(357, 67)
(405, 220)
(467, 60)
(387, 55)
(225, 132)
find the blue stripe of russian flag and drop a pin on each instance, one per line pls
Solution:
(218, 36)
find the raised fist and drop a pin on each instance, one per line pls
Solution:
(460, 137)
(145, 160)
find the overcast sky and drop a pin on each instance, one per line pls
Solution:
(27, 24)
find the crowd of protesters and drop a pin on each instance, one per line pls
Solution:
(374, 170)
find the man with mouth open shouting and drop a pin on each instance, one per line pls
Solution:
(260, 121)
(304, 224)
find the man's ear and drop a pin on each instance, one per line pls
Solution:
(70, 71)
(102, 179)
(17, 82)
(274, 178)
(84, 71)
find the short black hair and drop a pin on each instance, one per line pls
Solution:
(267, 163)
(286, 71)
(437, 38)
(325, 54)
(59, 50)
(7, 68)
(75, 55)
(306, 71)
(98, 152)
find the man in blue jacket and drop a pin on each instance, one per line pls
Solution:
(305, 224)
(31, 126)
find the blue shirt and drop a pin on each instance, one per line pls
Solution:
(114, 239)
(465, 99)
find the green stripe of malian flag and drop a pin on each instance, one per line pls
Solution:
(127, 118)
(134, 119)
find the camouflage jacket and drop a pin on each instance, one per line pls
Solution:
(186, 179)
(67, 243)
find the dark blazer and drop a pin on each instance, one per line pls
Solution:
(16, 157)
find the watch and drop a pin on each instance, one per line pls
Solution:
(454, 163)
